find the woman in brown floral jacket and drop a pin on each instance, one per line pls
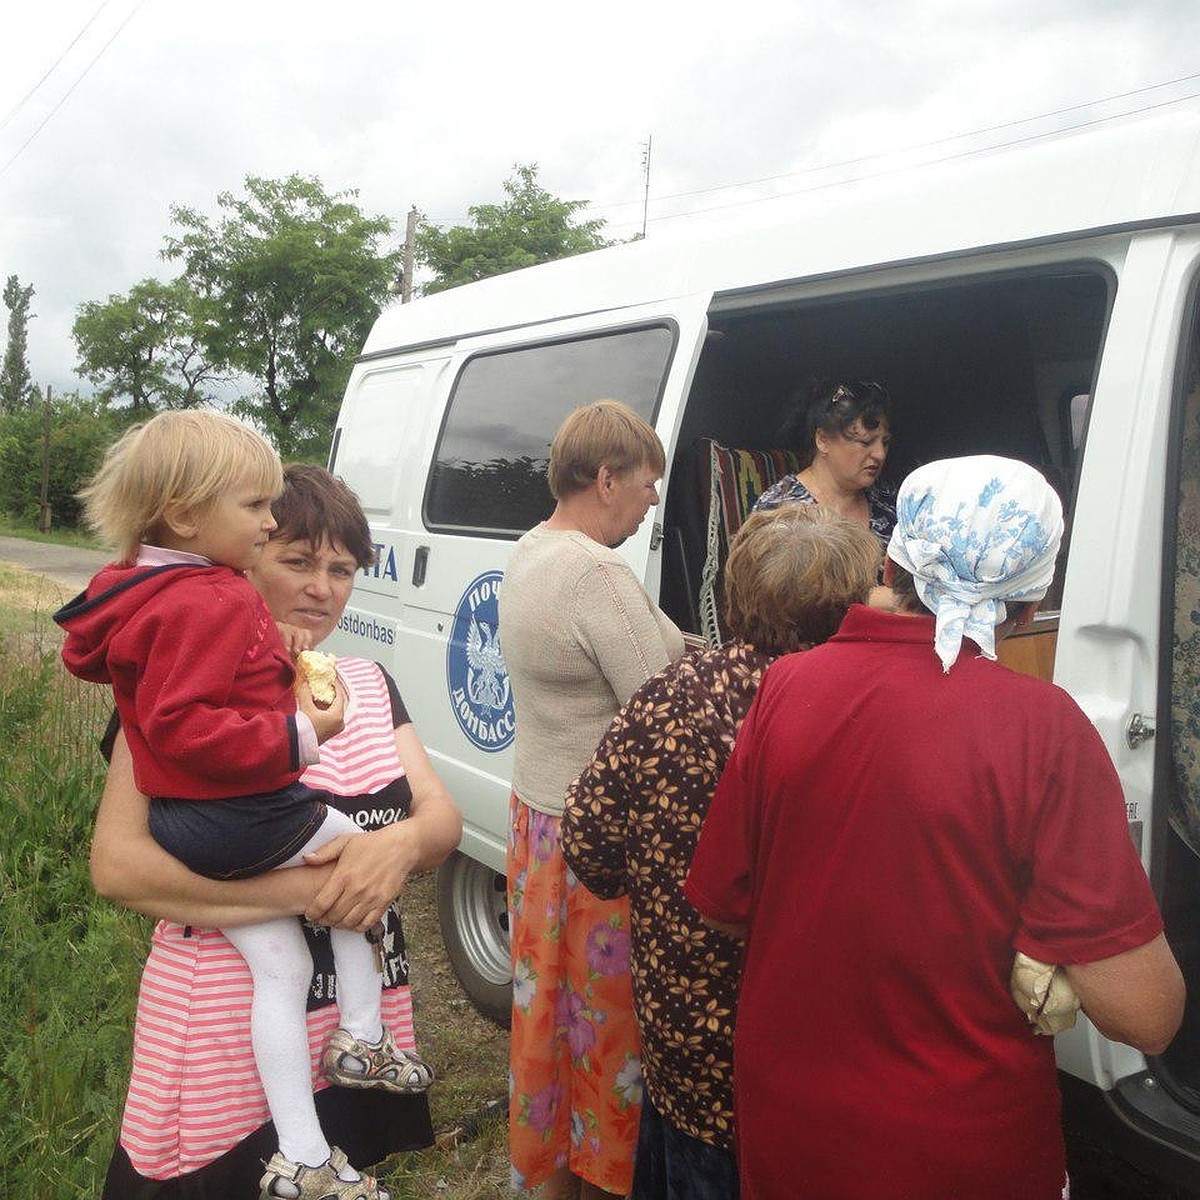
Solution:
(633, 816)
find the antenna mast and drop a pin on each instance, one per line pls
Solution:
(646, 174)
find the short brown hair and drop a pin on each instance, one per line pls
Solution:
(604, 433)
(191, 457)
(316, 506)
(792, 573)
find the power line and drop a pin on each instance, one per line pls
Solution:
(1033, 137)
(54, 66)
(853, 162)
(868, 158)
(12, 112)
(79, 79)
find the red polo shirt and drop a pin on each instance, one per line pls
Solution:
(892, 834)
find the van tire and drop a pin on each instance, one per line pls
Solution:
(473, 916)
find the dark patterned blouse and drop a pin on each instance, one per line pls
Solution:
(881, 501)
(630, 826)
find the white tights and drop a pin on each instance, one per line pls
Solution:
(281, 966)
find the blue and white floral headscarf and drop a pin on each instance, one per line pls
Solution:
(974, 532)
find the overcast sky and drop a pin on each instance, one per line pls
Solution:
(111, 111)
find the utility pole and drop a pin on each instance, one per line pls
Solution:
(44, 505)
(410, 239)
(646, 173)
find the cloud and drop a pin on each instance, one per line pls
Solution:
(432, 105)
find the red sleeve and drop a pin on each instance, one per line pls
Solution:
(1088, 896)
(720, 882)
(211, 680)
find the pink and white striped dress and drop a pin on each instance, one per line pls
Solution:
(194, 1092)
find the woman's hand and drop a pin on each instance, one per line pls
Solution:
(369, 872)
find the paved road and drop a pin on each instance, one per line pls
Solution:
(69, 566)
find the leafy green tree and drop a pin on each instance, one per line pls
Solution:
(531, 226)
(81, 428)
(293, 279)
(146, 347)
(16, 387)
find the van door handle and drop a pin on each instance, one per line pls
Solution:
(1140, 729)
(420, 559)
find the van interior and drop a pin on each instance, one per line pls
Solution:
(999, 366)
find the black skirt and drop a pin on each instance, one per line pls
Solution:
(369, 1126)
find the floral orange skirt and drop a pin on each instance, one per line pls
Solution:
(576, 1087)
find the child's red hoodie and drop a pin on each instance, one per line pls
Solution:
(201, 678)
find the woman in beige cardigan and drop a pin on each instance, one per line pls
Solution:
(580, 636)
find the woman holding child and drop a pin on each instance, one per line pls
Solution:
(183, 1135)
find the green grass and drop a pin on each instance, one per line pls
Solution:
(69, 962)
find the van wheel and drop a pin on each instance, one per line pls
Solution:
(473, 916)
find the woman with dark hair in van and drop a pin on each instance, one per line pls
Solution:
(580, 636)
(841, 432)
(633, 816)
(195, 1117)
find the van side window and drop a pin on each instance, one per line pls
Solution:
(489, 470)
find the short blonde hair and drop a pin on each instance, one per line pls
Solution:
(192, 458)
(792, 573)
(604, 433)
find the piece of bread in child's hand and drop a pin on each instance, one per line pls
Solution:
(318, 670)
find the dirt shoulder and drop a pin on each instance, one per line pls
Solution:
(470, 1056)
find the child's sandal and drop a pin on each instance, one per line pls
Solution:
(286, 1180)
(351, 1062)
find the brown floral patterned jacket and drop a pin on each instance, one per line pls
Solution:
(630, 826)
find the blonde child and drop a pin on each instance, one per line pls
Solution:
(203, 684)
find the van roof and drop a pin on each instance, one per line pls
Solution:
(1136, 172)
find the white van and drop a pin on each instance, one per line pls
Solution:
(1039, 303)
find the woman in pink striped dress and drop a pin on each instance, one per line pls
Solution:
(196, 1123)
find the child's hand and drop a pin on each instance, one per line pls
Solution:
(295, 638)
(326, 721)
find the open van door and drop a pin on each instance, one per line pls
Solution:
(448, 446)
(1135, 558)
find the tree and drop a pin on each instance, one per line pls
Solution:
(531, 226)
(16, 387)
(146, 347)
(293, 279)
(81, 429)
